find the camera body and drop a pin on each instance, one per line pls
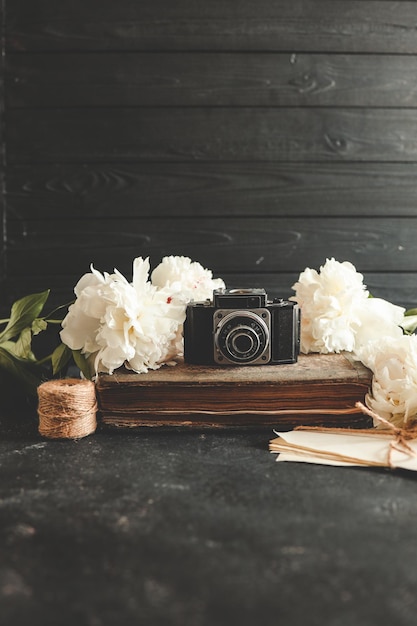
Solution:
(242, 327)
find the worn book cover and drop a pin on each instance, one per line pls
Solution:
(317, 390)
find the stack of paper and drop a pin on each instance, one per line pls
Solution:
(387, 447)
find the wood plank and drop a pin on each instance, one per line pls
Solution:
(299, 25)
(219, 79)
(223, 244)
(211, 134)
(3, 267)
(396, 287)
(50, 191)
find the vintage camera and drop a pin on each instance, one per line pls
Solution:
(241, 327)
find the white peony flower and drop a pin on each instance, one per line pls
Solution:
(83, 318)
(185, 279)
(378, 318)
(336, 311)
(134, 324)
(393, 362)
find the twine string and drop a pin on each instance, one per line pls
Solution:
(401, 435)
(67, 408)
(400, 439)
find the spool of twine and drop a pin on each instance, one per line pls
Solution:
(67, 408)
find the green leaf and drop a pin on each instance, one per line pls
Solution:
(21, 348)
(19, 369)
(23, 313)
(409, 324)
(38, 325)
(410, 312)
(82, 363)
(60, 357)
(10, 346)
(24, 345)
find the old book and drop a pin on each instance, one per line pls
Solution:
(318, 390)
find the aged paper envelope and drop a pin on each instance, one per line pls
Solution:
(376, 448)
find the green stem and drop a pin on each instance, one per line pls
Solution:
(62, 306)
(44, 360)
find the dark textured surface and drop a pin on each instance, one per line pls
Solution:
(179, 527)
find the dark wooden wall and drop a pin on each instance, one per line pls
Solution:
(256, 136)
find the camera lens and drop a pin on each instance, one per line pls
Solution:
(242, 343)
(242, 337)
